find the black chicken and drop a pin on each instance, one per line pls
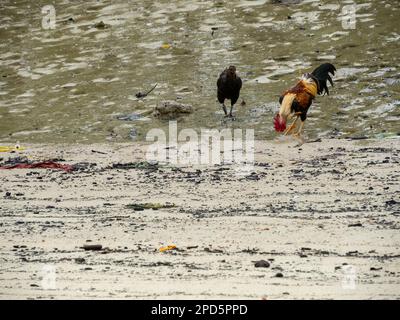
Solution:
(229, 85)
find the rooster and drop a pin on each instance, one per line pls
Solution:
(296, 101)
(229, 85)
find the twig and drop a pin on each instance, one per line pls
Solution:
(95, 151)
(142, 95)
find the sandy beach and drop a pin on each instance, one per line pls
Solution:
(324, 217)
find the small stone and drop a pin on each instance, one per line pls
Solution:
(391, 202)
(80, 260)
(100, 25)
(92, 247)
(279, 275)
(355, 225)
(171, 109)
(262, 264)
(375, 269)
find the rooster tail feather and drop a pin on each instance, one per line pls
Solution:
(322, 75)
(286, 106)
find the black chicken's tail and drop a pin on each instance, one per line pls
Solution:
(322, 75)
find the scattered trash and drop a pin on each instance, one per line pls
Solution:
(25, 163)
(17, 147)
(153, 206)
(129, 117)
(41, 165)
(167, 248)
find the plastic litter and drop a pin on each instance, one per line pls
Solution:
(39, 165)
(167, 248)
(17, 147)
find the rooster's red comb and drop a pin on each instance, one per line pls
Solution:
(279, 123)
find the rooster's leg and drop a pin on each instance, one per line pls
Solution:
(291, 126)
(224, 108)
(230, 112)
(298, 133)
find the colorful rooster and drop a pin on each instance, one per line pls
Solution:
(296, 101)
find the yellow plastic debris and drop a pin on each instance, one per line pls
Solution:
(17, 147)
(165, 46)
(162, 249)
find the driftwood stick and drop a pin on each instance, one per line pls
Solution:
(142, 95)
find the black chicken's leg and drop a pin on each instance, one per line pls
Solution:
(230, 112)
(224, 108)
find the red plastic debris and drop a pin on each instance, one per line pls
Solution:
(40, 165)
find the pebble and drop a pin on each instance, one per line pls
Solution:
(391, 202)
(262, 264)
(100, 25)
(92, 247)
(375, 269)
(80, 260)
(355, 225)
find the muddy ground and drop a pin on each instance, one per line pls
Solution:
(78, 81)
(324, 216)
